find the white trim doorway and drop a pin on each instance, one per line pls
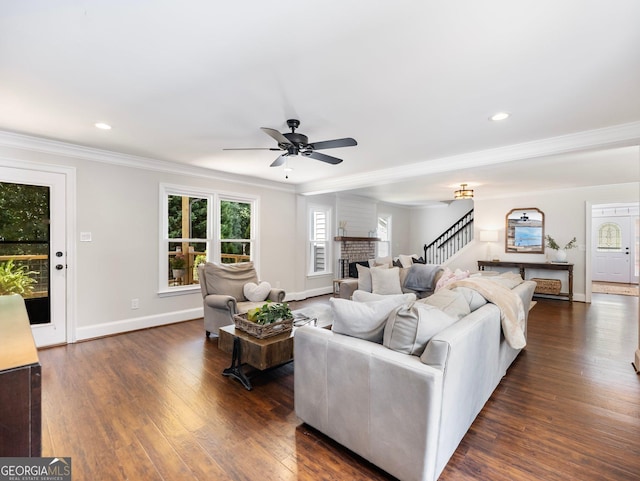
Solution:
(62, 179)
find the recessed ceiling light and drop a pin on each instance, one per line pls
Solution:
(500, 116)
(102, 126)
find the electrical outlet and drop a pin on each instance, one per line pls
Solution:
(135, 303)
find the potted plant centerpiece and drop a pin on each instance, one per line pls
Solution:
(561, 254)
(268, 320)
(178, 263)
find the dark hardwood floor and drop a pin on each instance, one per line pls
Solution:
(153, 405)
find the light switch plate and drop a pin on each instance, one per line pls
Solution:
(85, 236)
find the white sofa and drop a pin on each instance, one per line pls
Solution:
(404, 413)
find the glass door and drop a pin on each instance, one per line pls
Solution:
(32, 252)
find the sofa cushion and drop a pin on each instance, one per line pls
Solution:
(365, 320)
(385, 281)
(364, 296)
(256, 292)
(410, 327)
(229, 279)
(453, 303)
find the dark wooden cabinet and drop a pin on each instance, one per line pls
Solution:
(20, 383)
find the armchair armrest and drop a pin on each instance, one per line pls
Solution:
(221, 301)
(276, 295)
(347, 288)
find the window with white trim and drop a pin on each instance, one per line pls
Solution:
(200, 226)
(319, 252)
(383, 247)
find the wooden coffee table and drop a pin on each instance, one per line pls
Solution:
(260, 354)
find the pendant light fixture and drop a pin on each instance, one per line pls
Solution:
(463, 193)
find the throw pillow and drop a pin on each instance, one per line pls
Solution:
(256, 292)
(406, 260)
(364, 320)
(364, 278)
(363, 296)
(473, 297)
(453, 303)
(411, 326)
(385, 281)
(448, 277)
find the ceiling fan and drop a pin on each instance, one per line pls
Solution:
(295, 143)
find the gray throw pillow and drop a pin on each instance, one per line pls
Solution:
(410, 327)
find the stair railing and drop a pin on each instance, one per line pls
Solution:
(451, 241)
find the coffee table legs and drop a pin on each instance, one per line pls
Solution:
(235, 370)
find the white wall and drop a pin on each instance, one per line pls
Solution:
(429, 222)
(119, 205)
(565, 217)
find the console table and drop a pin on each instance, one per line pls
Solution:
(523, 266)
(20, 383)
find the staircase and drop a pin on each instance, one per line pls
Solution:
(451, 241)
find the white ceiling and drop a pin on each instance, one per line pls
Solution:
(414, 82)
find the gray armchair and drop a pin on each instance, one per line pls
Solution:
(222, 287)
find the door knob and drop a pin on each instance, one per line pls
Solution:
(59, 267)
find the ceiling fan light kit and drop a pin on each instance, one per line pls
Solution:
(296, 143)
(463, 193)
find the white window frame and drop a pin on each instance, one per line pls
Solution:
(387, 240)
(312, 241)
(213, 231)
(252, 201)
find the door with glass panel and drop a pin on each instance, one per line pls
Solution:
(32, 248)
(615, 246)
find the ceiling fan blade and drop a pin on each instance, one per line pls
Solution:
(332, 144)
(279, 161)
(323, 157)
(273, 133)
(254, 148)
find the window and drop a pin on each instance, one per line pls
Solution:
(201, 226)
(384, 234)
(235, 230)
(609, 237)
(319, 241)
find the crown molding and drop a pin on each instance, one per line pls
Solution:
(609, 137)
(65, 149)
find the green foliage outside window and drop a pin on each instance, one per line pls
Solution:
(24, 218)
(235, 223)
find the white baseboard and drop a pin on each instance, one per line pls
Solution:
(136, 323)
(300, 296)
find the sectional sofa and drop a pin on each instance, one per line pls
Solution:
(405, 413)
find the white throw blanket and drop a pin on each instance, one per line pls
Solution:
(512, 315)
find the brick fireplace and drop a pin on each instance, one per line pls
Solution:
(353, 249)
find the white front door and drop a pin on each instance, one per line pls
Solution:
(613, 249)
(33, 245)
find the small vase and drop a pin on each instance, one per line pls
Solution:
(561, 255)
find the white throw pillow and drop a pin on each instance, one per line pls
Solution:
(365, 320)
(406, 261)
(256, 292)
(364, 278)
(410, 327)
(385, 281)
